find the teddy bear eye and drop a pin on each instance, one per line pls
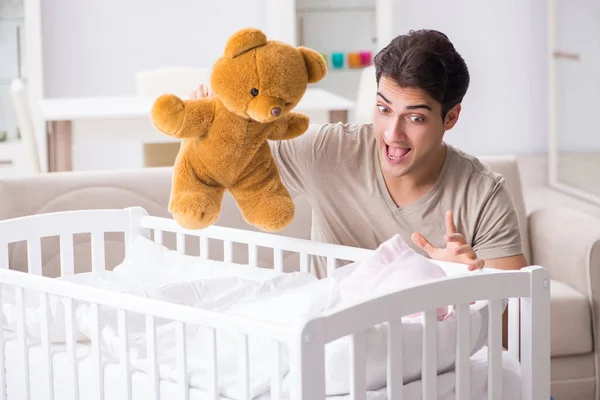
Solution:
(254, 92)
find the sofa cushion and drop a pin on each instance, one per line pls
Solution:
(570, 321)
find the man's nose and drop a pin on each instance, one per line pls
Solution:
(395, 132)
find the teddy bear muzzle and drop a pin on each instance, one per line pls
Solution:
(266, 108)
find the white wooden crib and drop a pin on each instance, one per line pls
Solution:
(24, 376)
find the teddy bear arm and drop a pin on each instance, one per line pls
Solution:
(297, 124)
(182, 118)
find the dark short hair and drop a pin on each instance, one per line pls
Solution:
(427, 60)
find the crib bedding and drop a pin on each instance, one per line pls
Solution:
(114, 385)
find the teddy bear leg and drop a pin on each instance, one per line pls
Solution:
(194, 204)
(263, 200)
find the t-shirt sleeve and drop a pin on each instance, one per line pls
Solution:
(295, 157)
(498, 232)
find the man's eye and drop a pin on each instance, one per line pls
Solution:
(417, 118)
(383, 109)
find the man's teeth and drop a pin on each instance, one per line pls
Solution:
(396, 153)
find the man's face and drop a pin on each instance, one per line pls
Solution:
(408, 128)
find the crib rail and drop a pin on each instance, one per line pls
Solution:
(528, 291)
(228, 236)
(122, 305)
(143, 305)
(66, 224)
(529, 285)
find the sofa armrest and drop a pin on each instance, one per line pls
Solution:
(567, 243)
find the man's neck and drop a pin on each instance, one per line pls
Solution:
(409, 188)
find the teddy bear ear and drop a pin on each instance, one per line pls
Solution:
(315, 64)
(244, 40)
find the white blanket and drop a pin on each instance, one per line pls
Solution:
(152, 271)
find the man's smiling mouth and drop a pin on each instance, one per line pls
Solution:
(396, 154)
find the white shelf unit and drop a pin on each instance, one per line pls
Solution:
(336, 26)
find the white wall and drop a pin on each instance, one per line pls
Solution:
(94, 48)
(505, 46)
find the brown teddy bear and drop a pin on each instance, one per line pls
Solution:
(256, 82)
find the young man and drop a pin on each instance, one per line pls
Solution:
(367, 182)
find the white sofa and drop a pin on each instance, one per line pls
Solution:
(565, 241)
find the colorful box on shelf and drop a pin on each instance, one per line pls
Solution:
(353, 60)
(337, 60)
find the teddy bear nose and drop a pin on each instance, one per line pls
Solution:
(275, 111)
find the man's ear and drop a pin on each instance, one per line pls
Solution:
(452, 117)
(315, 64)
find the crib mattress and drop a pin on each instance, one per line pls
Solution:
(114, 384)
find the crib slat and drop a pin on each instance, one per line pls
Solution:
(34, 256)
(158, 236)
(278, 259)
(463, 350)
(124, 349)
(304, 264)
(180, 242)
(98, 255)
(513, 327)
(395, 374)
(276, 393)
(96, 353)
(331, 264)
(227, 251)
(358, 373)
(430, 355)
(22, 334)
(212, 370)
(152, 361)
(244, 367)
(252, 255)
(204, 252)
(181, 360)
(70, 330)
(66, 255)
(495, 350)
(45, 336)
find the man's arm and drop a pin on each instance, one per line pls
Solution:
(509, 263)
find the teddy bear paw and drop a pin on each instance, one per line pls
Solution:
(271, 214)
(194, 211)
(168, 113)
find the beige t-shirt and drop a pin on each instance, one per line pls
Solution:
(336, 167)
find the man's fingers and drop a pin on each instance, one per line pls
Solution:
(423, 243)
(477, 264)
(201, 92)
(450, 227)
(464, 249)
(456, 237)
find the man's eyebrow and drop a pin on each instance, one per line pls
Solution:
(411, 107)
(383, 97)
(416, 106)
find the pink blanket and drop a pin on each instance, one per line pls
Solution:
(392, 266)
